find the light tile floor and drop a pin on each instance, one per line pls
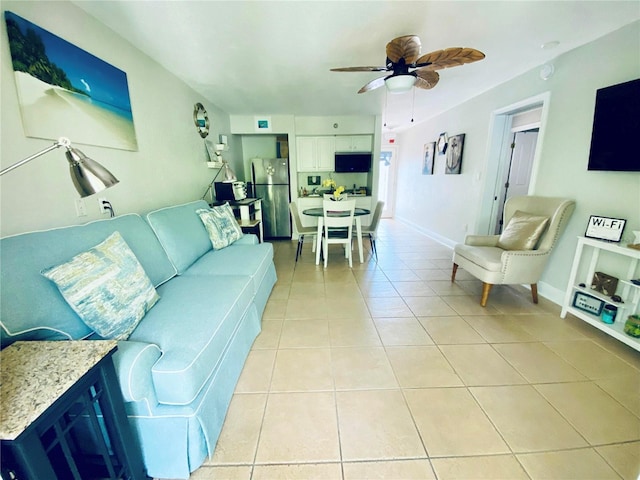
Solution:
(388, 370)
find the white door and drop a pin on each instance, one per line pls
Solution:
(387, 180)
(517, 174)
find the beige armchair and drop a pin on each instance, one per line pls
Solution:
(520, 254)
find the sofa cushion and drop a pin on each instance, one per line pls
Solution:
(250, 260)
(181, 233)
(192, 324)
(107, 287)
(523, 231)
(24, 256)
(221, 225)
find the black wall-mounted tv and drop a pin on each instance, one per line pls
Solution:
(353, 162)
(616, 129)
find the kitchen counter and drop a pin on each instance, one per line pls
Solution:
(319, 195)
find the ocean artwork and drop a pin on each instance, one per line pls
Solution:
(65, 91)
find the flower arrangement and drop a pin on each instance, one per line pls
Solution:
(337, 191)
(329, 183)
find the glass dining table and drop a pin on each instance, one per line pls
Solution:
(317, 212)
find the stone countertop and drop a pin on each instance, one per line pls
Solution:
(314, 195)
(33, 375)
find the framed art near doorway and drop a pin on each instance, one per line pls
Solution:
(454, 154)
(427, 158)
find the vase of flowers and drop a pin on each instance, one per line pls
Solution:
(329, 183)
(337, 193)
(334, 189)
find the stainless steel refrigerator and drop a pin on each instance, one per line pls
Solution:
(271, 184)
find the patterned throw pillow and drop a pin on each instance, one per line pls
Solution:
(107, 287)
(221, 225)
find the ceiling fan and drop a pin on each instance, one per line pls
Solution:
(410, 69)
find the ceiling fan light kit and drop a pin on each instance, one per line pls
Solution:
(400, 83)
(408, 68)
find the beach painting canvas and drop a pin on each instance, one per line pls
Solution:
(65, 91)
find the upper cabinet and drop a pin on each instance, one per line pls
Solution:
(353, 143)
(316, 154)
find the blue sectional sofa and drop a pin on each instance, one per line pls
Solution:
(179, 367)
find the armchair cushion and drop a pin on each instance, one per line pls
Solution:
(488, 258)
(523, 231)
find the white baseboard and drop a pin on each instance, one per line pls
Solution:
(545, 290)
(552, 294)
(447, 242)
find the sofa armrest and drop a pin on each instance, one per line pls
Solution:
(133, 362)
(482, 240)
(247, 239)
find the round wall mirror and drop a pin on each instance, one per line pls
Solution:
(201, 119)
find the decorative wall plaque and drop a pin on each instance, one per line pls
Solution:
(605, 228)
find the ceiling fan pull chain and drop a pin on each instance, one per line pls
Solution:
(413, 104)
(386, 102)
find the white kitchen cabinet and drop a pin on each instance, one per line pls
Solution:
(587, 261)
(353, 143)
(316, 154)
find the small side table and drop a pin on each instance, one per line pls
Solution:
(248, 212)
(62, 413)
(251, 226)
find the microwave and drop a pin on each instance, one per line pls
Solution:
(352, 162)
(232, 191)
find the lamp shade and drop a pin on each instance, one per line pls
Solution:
(400, 83)
(88, 176)
(229, 175)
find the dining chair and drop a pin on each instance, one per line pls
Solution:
(337, 226)
(302, 230)
(371, 229)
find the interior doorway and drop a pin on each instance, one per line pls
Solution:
(516, 177)
(513, 167)
(387, 179)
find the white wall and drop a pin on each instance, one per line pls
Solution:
(169, 166)
(442, 205)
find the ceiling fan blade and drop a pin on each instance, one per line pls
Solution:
(449, 57)
(360, 69)
(372, 85)
(426, 79)
(407, 47)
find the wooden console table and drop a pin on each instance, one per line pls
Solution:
(62, 413)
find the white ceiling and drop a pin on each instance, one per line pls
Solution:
(273, 57)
